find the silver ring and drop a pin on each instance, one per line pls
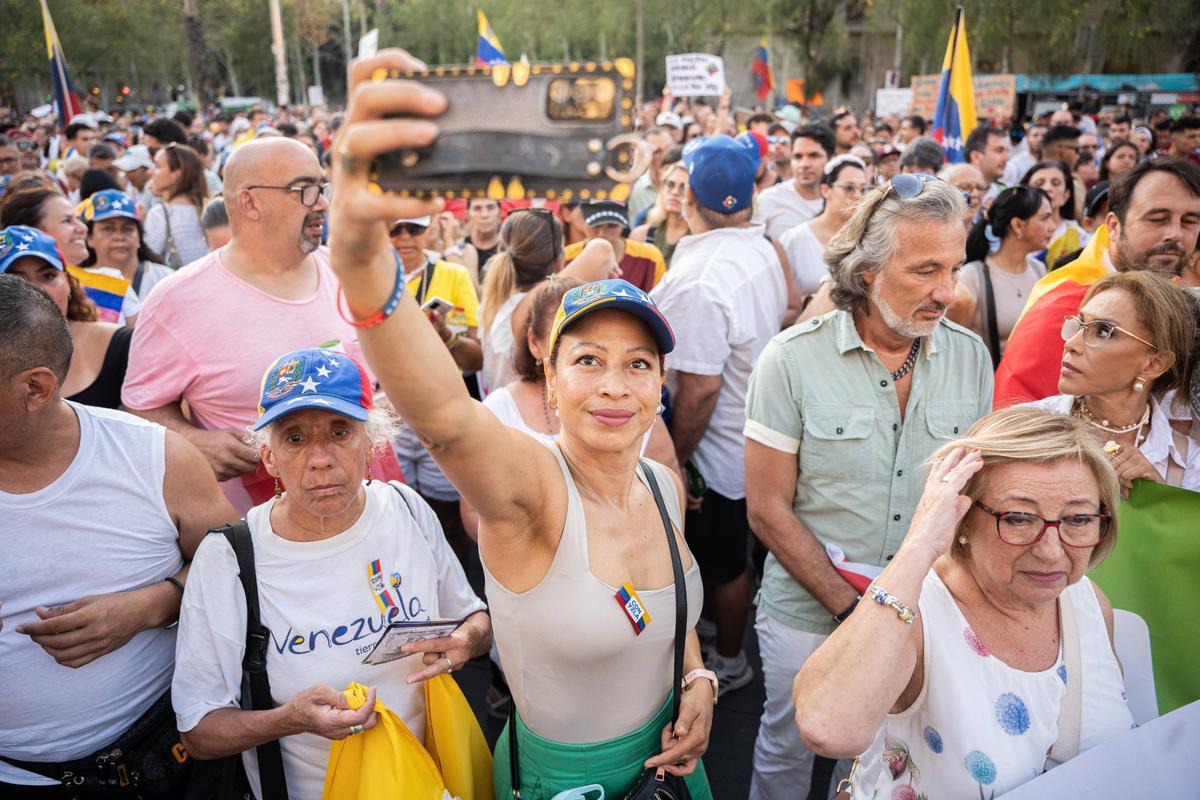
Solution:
(356, 729)
(449, 664)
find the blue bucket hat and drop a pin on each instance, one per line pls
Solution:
(21, 241)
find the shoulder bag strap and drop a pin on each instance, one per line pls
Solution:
(1174, 471)
(138, 274)
(680, 589)
(990, 324)
(514, 760)
(256, 687)
(426, 279)
(1066, 746)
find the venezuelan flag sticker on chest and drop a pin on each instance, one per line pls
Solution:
(631, 604)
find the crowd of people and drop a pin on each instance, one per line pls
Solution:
(805, 341)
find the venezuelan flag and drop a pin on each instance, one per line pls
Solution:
(64, 93)
(106, 291)
(764, 77)
(954, 115)
(488, 51)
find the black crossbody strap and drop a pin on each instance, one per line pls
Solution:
(256, 686)
(990, 323)
(680, 588)
(426, 279)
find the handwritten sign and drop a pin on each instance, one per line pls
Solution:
(695, 75)
(995, 95)
(893, 101)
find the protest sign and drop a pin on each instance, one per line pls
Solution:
(893, 101)
(695, 75)
(995, 95)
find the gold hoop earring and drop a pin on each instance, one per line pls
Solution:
(278, 488)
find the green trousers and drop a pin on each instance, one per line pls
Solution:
(549, 767)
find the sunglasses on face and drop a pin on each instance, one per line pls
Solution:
(26, 144)
(777, 139)
(411, 228)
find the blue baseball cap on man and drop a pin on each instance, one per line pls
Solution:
(314, 378)
(21, 241)
(105, 205)
(721, 172)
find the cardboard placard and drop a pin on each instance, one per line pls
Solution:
(995, 95)
(695, 75)
(893, 101)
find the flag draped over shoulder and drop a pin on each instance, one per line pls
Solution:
(64, 93)
(488, 50)
(1152, 572)
(760, 67)
(954, 115)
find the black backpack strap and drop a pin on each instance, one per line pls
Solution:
(256, 687)
(680, 588)
(990, 324)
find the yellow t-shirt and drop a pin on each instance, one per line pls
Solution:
(452, 283)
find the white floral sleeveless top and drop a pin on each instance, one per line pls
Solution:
(980, 728)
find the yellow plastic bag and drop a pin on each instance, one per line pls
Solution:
(388, 762)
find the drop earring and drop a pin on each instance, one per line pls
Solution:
(369, 476)
(1139, 384)
(278, 488)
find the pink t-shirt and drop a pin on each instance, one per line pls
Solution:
(206, 336)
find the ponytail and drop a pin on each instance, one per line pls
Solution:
(499, 283)
(530, 247)
(1017, 202)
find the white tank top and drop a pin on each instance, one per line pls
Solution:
(980, 727)
(577, 671)
(498, 347)
(101, 527)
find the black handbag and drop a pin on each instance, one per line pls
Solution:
(651, 784)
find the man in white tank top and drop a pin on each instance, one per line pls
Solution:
(101, 512)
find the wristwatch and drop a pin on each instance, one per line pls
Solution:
(697, 674)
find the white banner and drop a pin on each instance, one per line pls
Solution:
(695, 75)
(893, 101)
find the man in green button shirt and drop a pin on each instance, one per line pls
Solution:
(842, 412)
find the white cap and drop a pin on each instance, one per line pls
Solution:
(422, 221)
(136, 157)
(669, 119)
(84, 119)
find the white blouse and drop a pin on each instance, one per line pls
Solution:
(1160, 447)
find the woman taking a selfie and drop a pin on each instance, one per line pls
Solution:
(563, 529)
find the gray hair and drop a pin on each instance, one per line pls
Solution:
(381, 428)
(869, 240)
(923, 153)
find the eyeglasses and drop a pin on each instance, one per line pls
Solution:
(1021, 529)
(851, 189)
(778, 139)
(1096, 332)
(26, 144)
(411, 228)
(310, 193)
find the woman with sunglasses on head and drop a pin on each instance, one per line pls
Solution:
(173, 225)
(1001, 267)
(1127, 362)
(531, 251)
(564, 529)
(985, 655)
(665, 224)
(1054, 178)
(843, 186)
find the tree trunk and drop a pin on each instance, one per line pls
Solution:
(197, 54)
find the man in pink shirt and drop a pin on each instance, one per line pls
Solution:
(207, 332)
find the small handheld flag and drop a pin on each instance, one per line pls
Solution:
(954, 115)
(627, 598)
(764, 77)
(106, 291)
(65, 99)
(488, 51)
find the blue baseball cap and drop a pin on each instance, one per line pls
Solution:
(105, 205)
(314, 378)
(21, 241)
(721, 172)
(612, 293)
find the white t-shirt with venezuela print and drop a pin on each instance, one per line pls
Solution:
(324, 612)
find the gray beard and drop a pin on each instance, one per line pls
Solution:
(905, 327)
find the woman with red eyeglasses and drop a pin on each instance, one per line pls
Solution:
(981, 654)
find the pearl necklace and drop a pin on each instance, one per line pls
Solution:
(1082, 412)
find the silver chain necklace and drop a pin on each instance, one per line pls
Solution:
(907, 366)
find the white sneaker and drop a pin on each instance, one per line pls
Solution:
(732, 673)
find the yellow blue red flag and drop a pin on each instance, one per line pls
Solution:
(954, 115)
(760, 68)
(64, 93)
(488, 51)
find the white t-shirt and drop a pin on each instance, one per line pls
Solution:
(806, 256)
(324, 614)
(724, 297)
(781, 207)
(100, 527)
